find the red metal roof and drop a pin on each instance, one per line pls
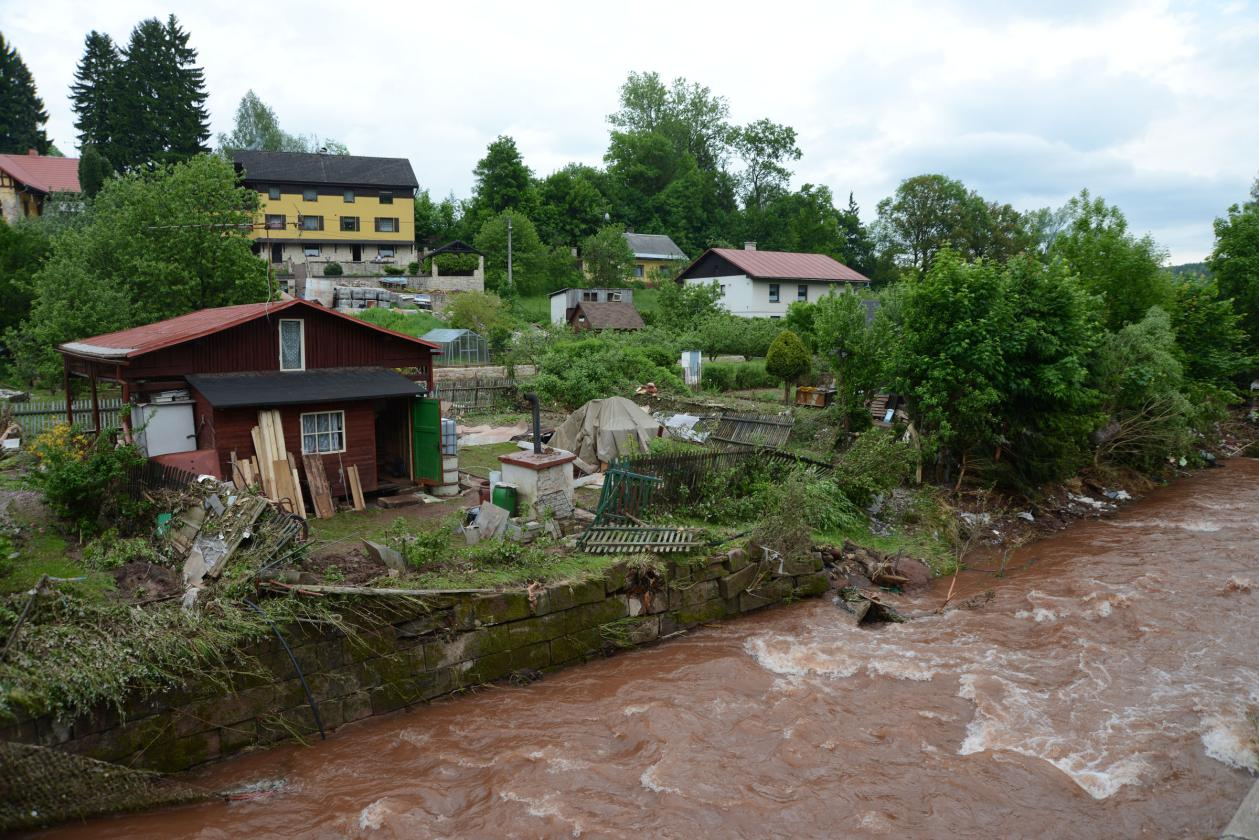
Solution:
(784, 265)
(43, 173)
(127, 344)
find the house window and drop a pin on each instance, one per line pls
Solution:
(323, 432)
(773, 293)
(310, 250)
(349, 196)
(384, 225)
(386, 198)
(591, 296)
(310, 195)
(802, 292)
(638, 270)
(292, 344)
(349, 223)
(312, 222)
(386, 251)
(273, 193)
(275, 221)
(723, 290)
(614, 297)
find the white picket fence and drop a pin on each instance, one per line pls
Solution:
(37, 417)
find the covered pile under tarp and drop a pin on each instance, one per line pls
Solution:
(603, 430)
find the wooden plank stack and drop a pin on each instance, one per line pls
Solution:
(274, 468)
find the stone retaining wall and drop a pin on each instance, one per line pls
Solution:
(455, 643)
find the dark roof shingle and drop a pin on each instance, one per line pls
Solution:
(235, 390)
(654, 246)
(610, 315)
(339, 170)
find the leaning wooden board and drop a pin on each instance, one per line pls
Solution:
(320, 495)
(356, 487)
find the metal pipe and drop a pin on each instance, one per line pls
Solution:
(537, 422)
(310, 699)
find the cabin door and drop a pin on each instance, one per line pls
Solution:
(356, 253)
(426, 439)
(277, 252)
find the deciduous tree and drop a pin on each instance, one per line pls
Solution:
(1234, 263)
(607, 257)
(788, 359)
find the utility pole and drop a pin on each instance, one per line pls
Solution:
(509, 252)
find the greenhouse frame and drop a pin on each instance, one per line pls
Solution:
(459, 347)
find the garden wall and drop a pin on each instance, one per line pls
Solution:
(451, 644)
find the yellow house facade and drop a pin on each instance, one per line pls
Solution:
(654, 253)
(317, 209)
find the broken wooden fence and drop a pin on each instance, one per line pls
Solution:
(635, 539)
(768, 431)
(681, 475)
(154, 476)
(475, 393)
(38, 417)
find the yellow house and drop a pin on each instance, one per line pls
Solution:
(654, 251)
(318, 209)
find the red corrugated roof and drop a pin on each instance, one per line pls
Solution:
(127, 344)
(784, 265)
(43, 173)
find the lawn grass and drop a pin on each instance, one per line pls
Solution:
(537, 565)
(480, 460)
(42, 551)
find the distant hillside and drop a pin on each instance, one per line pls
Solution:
(1198, 269)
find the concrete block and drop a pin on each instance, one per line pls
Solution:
(732, 584)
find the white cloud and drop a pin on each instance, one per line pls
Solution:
(1150, 105)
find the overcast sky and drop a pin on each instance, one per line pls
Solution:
(1153, 106)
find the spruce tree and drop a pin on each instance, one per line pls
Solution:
(94, 93)
(22, 114)
(161, 102)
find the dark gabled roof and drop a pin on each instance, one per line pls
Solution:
(456, 247)
(779, 265)
(127, 344)
(653, 246)
(610, 315)
(236, 390)
(338, 170)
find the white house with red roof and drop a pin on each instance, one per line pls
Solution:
(27, 180)
(762, 284)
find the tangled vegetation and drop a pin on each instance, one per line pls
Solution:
(81, 477)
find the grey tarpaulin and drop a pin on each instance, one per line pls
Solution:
(604, 430)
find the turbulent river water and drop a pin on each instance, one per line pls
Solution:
(1105, 691)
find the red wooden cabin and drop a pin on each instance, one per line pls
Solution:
(345, 389)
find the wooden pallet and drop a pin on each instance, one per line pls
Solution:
(632, 539)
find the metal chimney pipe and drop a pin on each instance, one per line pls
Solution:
(537, 422)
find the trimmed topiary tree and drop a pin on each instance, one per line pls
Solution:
(788, 359)
(332, 269)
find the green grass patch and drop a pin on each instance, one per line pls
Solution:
(539, 565)
(479, 460)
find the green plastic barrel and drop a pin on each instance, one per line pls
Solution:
(504, 496)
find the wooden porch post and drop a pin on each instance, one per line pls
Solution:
(96, 403)
(65, 360)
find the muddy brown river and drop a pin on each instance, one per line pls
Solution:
(1103, 693)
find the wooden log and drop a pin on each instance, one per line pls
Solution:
(320, 496)
(356, 487)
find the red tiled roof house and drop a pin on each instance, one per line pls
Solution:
(27, 180)
(762, 284)
(345, 389)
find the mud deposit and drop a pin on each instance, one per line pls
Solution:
(1103, 692)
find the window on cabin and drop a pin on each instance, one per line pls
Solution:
(323, 432)
(310, 195)
(802, 292)
(773, 293)
(292, 344)
(590, 296)
(613, 297)
(273, 193)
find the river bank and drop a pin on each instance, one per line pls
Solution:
(1103, 691)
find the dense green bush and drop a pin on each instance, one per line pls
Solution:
(81, 477)
(413, 268)
(875, 463)
(332, 269)
(736, 376)
(411, 323)
(788, 360)
(393, 270)
(573, 372)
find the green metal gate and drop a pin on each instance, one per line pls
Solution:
(426, 439)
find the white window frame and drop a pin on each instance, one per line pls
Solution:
(802, 292)
(301, 428)
(280, 336)
(775, 292)
(311, 251)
